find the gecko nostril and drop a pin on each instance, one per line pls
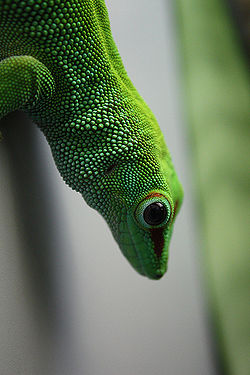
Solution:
(110, 168)
(159, 276)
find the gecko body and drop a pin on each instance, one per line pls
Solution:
(59, 63)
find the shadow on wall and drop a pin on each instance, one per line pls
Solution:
(34, 210)
(37, 338)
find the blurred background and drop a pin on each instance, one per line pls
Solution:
(70, 302)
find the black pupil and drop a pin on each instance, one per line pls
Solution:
(155, 213)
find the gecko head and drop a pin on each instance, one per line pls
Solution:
(140, 209)
(145, 231)
(132, 183)
(137, 193)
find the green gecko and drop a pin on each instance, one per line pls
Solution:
(59, 63)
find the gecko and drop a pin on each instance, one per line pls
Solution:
(59, 63)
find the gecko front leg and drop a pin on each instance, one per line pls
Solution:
(23, 80)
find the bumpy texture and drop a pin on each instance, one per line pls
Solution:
(106, 143)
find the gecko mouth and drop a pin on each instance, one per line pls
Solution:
(143, 250)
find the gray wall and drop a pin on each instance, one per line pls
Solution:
(69, 302)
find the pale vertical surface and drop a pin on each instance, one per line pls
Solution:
(112, 320)
(33, 321)
(25, 345)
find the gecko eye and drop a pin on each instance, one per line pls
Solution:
(153, 211)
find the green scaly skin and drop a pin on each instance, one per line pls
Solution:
(59, 63)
